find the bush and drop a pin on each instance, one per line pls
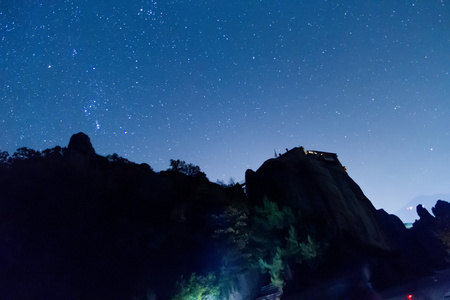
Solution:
(275, 269)
(276, 244)
(198, 288)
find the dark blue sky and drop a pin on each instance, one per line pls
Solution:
(221, 84)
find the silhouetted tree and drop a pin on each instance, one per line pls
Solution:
(54, 153)
(182, 167)
(117, 159)
(25, 153)
(4, 156)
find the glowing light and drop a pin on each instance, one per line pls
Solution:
(410, 296)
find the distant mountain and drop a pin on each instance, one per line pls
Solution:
(408, 212)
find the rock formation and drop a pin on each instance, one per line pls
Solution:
(330, 205)
(81, 143)
(326, 199)
(425, 234)
(394, 229)
(80, 150)
(441, 210)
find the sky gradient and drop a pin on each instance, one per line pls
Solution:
(224, 84)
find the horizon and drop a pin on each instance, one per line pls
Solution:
(407, 213)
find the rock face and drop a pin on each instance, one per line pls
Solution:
(327, 200)
(329, 205)
(81, 143)
(80, 150)
(441, 210)
(395, 230)
(425, 232)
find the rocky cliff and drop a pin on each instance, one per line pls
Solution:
(324, 196)
(328, 204)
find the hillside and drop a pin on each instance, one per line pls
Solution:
(77, 225)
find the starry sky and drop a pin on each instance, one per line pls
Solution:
(224, 84)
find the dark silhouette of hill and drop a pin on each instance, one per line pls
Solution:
(77, 225)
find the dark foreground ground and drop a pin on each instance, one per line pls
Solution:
(434, 287)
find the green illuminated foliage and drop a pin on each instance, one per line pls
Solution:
(271, 217)
(309, 249)
(276, 244)
(275, 269)
(198, 288)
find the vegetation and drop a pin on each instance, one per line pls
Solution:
(197, 288)
(96, 211)
(4, 156)
(125, 209)
(232, 236)
(180, 166)
(115, 158)
(275, 269)
(263, 237)
(277, 245)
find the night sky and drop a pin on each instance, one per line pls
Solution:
(222, 84)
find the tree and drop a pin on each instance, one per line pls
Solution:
(25, 153)
(261, 237)
(180, 166)
(275, 269)
(117, 159)
(55, 153)
(4, 156)
(276, 244)
(232, 235)
(271, 217)
(300, 251)
(197, 288)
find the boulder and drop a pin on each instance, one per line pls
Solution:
(324, 197)
(80, 150)
(81, 143)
